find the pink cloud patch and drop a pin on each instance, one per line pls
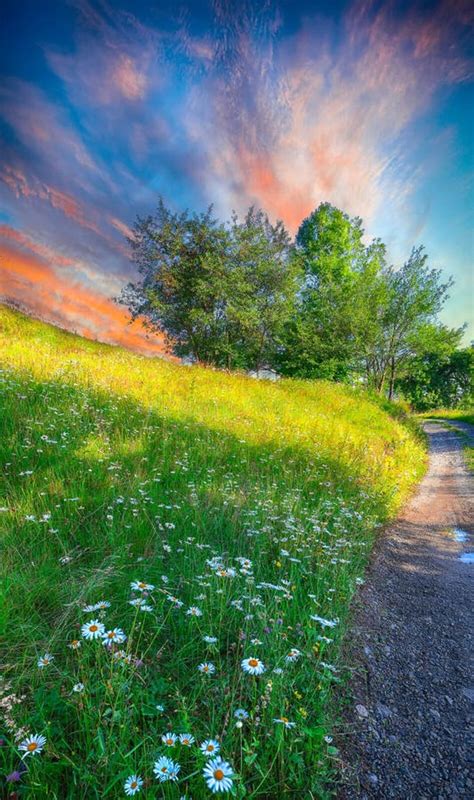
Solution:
(130, 81)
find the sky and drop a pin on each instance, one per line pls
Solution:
(104, 106)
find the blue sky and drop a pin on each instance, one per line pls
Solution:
(105, 105)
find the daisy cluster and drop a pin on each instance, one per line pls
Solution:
(188, 643)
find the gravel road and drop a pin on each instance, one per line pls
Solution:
(409, 730)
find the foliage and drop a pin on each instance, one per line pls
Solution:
(119, 468)
(439, 373)
(358, 317)
(335, 310)
(219, 292)
(415, 295)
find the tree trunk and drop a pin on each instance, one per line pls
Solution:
(392, 380)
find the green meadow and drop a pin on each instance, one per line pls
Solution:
(180, 547)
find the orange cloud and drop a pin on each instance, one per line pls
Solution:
(121, 227)
(28, 279)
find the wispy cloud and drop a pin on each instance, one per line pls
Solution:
(235, 108)
(324, 122)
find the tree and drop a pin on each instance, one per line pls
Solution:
(439, 373)
(338, 311)
(414, 297)
(219, 292)
(264, 278)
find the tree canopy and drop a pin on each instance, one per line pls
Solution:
(240, 294)
(219, 292)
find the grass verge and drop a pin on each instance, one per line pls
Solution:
(461, 415)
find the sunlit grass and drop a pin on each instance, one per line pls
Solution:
(460, 414)
(120, 468)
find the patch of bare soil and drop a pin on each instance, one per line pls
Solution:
(408, 733)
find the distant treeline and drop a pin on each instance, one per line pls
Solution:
(243, 295)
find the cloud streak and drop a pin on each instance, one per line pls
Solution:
(30, 276)
(271, 104)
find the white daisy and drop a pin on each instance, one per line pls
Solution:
(175, 600)
(132, 785)
(187, 739)
(102, 605)
(293, 655)
(194, 611)
(224, 572)
(169, 739)
(241, 713)
(284, 721)
(253, 666)
(173, 774)
(137, 601)
(210, 639)
(165, 769)
(45, 661)
(78, 687)
(326, 623)
(218, 775)
(141, 603)
(210, 747)
(207, 668)
(114, 636)
(140, 586)
(75, 644)
(93, 629)
(33, 744)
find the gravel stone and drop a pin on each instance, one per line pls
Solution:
(411, 645)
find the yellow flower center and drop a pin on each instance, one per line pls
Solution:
(253, 662)
(218, 774)
(169, 741)
(210, 748)
(32, 746)
(284, 719)
(111, 634)
(164, 769)
(93, 628)
(133, 785)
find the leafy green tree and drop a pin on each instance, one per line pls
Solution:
(264, 279)
(338, 310)
(439, 373)
(219, 292)
(415, 294)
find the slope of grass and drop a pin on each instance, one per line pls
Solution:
(250, 507)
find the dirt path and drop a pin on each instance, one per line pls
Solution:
(407, 733)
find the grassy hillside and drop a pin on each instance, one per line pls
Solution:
(250, 507)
